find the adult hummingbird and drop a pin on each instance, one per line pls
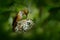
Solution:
(19, 17)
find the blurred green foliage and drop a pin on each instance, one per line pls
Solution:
(45, 14)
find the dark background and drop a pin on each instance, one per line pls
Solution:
(45, 14)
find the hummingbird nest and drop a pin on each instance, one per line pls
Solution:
(24, 25)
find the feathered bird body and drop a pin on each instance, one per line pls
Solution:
(18, 17)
